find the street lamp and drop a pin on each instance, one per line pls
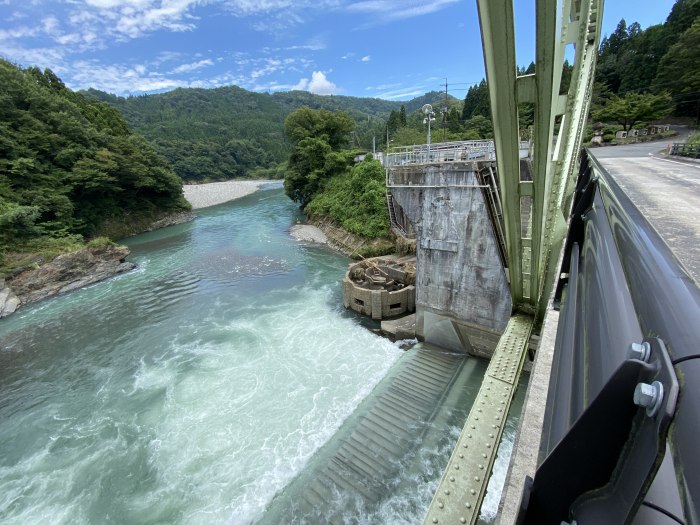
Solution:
(429, 116)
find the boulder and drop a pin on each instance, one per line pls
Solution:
(68, 272)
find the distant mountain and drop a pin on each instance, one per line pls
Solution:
(434, 98)
(230, 132)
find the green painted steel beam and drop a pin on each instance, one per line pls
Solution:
(463, 485)
(548, 72)
(581, 26)
(498, 38)
(556, 137)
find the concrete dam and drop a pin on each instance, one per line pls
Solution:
(448, 200)
(463, 302)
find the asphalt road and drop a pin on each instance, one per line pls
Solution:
(667, 191)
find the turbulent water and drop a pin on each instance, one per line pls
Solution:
(191, 390)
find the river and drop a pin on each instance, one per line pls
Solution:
(191, 390)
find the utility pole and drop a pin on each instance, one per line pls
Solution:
(444, 115)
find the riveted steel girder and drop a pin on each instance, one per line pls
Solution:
(556, 137)
(498, 39)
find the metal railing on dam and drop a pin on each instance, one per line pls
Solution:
(439, 152)
(619, 443)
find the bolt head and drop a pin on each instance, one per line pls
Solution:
(640, 351)
(649, 396)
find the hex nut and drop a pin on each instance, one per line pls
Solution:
(640, 351)
(649, 396)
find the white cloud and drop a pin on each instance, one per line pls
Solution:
(119, 79)
(194, 66)
(319, 84)
(302, 85)
(40, 55)
(383, 87)
(396, 92)
(366, 58)
(17, 33)
(389, 10)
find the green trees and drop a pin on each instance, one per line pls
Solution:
(68, 163)
(318, 136)
(320, 178)
(356, 200)
(634, 108)
(477, 101)
(332, 127)
(679, 69)
(661, 58)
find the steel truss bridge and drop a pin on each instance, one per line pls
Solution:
(616, 442)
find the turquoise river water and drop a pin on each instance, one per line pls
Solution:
(191, 390)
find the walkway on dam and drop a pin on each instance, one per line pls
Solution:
(665, 190)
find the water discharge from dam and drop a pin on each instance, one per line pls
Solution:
(194, 389)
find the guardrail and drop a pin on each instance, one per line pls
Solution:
(446, 152)
(685, 150)
(623, 414)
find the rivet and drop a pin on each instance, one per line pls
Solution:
(452, 478)
(488, 445)
(481, 467)
(447, 492)
(490, 434)
(476, 417)
(434, 520)
(469, 436)
(440, 504)
(477, 478)
(465, 445)
(473, 427)
(472, 492)
(461, 455)
(484, 456)
(463, 519)
(468, 505)
(456, 467)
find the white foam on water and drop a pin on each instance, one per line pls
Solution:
(123, 403)
(208, 428)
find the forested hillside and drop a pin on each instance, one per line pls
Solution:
(646, 74)
(228, 132)
(69, 163)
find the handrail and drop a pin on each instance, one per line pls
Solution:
(683, 149)
(462, 151)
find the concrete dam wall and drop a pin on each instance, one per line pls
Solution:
(462, 297)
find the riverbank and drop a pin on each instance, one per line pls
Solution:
(323, 230)
(213, 193)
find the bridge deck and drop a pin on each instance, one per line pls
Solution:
(463, 485)
(666, 190)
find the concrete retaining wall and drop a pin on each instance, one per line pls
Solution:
(463, 300)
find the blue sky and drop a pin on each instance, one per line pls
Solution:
(392, 49)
